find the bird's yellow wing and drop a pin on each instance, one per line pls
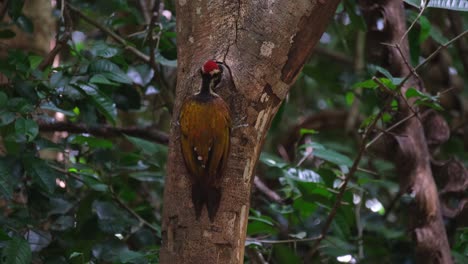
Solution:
(205, 138)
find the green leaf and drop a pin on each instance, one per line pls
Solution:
(3, 100)
(16, 251)
(42, 173)
(271, 160)
(109, 70)
(425, 29)
(349, 98)
(148, 147)
(20, 105)
(460, 5)
(356, 20)
(130, 256)
(51, 106)
(315, 193)
(93, 142)
(438, 36)
(26, 130)
(285, 254)
(6, 186)
(6, 118)
(165, 62)
(411, 92)
(259, 227)
(103, 50)
(4, 236)
(102, 102)
(101, 79)
(331, 155)
(75, 255)
(305, 131)
(369, 84)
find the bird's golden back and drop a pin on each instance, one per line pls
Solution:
(205, 125)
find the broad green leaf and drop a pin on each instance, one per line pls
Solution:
(51, 106)
(16, 251)
(19, 104)
(109, 70)
(305, 131)
(460, 5)
(102, 102)
(26, 130)
(75, 255)
(271, 160)
(370, 84)
(331, 155)
(315, 193)
(3, 100)
(93, 142)
(165, 62)
(349, 98)
(425, 29)
(130, 256)
(4, 236)
(42, 173)
(356, 20)
(148, 147)
(103, 50)
(6, 118)
(6, 187)
(101, 79)
(259, 227)
(285, 254)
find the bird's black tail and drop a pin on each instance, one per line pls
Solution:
(209, 195)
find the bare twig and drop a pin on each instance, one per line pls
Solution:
(272, 195)
(432, 56)
(422, 9)
(132, 212)
(284, 241)
(389, 129)
(348, 177)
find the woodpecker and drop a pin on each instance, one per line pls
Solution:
(205, 126)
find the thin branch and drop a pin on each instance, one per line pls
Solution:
(352, 171)
(413, 23)
(262, 187)
(147, 133)
(132, 212)
(145, 58)
(389, 129)
(433, 54)
(295, 240)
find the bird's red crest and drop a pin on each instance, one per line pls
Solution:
(210, 66)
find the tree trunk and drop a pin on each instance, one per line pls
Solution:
(412, 156)
(264, 44)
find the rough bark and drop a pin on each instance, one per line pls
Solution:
(264, 44)
(412, 157)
